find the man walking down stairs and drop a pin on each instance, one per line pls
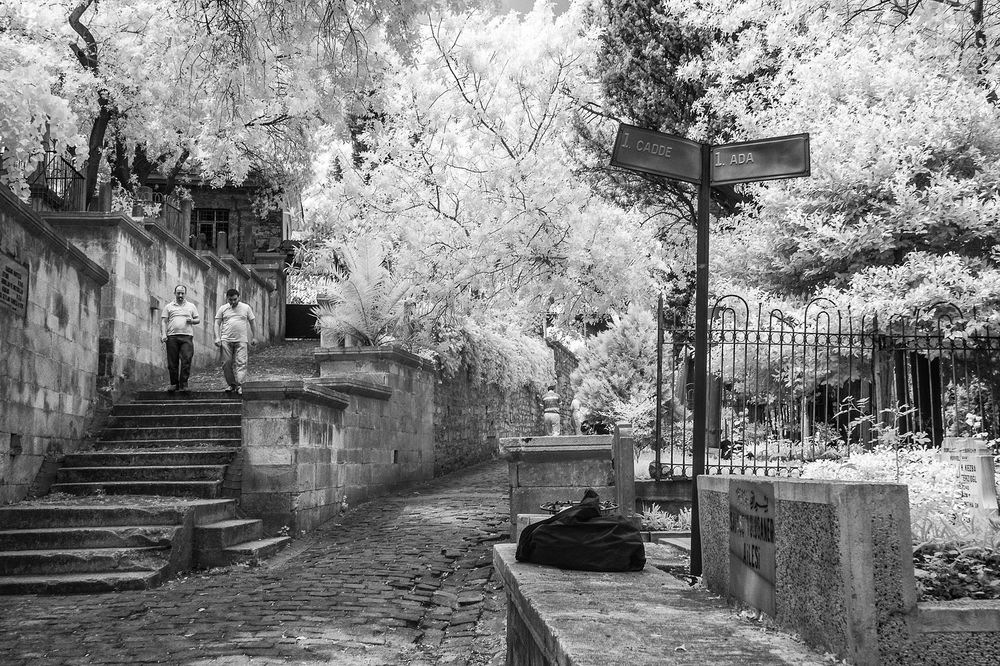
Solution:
(149, 501)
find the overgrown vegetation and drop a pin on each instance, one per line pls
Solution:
(956, 554)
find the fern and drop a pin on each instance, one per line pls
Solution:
(364, 300)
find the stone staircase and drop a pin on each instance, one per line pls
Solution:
(167, 457)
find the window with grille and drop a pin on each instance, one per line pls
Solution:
(211, 222)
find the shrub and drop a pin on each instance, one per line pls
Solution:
(616, 375)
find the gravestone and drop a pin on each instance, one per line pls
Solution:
(976, 471)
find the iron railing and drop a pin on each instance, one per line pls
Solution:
(56, 185)
(787, 389)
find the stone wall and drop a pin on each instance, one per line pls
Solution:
(249, 233)
(145, 263)
(469, 416)
(49, 319)
(293, 472)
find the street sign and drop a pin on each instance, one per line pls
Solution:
(705, 165)
(657, 153)
(766, 159)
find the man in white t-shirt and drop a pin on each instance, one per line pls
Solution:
(234, 334)
(176, 331)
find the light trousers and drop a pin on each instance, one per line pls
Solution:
(234, 362)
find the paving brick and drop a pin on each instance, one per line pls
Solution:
(364, 588)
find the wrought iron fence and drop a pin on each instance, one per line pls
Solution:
(57, 185)
(785, 389)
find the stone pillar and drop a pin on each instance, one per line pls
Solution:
(624, 464)
(271, 266)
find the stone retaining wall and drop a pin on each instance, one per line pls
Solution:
(468, 417)
(49, 320)
(313, 446)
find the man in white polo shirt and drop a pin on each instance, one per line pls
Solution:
(234, 334)
(177, 333)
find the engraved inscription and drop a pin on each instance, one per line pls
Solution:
(13, 285)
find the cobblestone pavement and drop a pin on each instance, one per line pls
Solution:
(404, 579)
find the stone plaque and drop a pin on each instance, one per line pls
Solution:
(751, 543)
(13, 286)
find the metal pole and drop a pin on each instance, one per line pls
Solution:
(700, 350)
(657, 441)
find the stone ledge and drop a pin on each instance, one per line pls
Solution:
(959, 616)
(543, 449)
(391, 353)
(352, 385)
(211, 259)
(636, 617)
(294, 389)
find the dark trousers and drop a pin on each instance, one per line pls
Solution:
(180, 351)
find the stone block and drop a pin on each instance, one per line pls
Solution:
(305, 477)
(842, 567)
(269, 455)
(270, 432)
(578, 473)
(269, 479)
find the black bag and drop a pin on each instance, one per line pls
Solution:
(581, 538)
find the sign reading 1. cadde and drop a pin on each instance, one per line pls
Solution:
(657, 153)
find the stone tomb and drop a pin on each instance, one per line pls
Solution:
(549, 469)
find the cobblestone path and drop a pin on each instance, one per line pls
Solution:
(404, 579)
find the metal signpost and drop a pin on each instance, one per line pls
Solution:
(705, 165)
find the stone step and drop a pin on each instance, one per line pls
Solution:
(204, 489)
(138, 536)
(191, 396)
(205, 433)
(99, 515)
(226, 533)
(151, 457)
(158, 473)
(80, 583)
(154, 444)
(206, 420)
(79, 560)
(254, 552)
(177, 407)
